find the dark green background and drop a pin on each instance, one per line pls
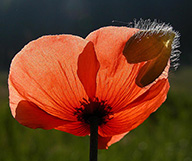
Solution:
(165, 136)
(24, 20)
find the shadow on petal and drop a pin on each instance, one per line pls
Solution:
(137, 111)
(30, 115)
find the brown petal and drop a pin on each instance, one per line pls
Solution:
(155, 48)
(146, 45)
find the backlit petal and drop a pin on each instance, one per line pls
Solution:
(28, 114)
(139, 110)
(76, 128)
(105, 142)
(116, 78)
(45, 72)
(88, 67)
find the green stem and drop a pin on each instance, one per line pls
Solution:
(93, 138)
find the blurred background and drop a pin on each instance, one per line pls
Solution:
(166, 135)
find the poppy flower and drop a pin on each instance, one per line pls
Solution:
(59, 82)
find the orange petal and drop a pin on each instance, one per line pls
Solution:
(88, 67)
(45, 72)
(138, 111)
(30, 115)
(105, 142)
(116, 78)
(76, 128)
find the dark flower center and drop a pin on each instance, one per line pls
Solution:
(96, 108)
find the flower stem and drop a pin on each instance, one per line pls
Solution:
(93, 138)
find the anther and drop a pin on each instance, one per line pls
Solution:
(95, 108)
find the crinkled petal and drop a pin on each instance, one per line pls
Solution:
(30, 115)
(88, 67)
(138, 111)
(45, 72)
(105, 142)
(76, 128)
(116, 77)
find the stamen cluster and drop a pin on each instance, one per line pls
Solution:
(96, 108)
